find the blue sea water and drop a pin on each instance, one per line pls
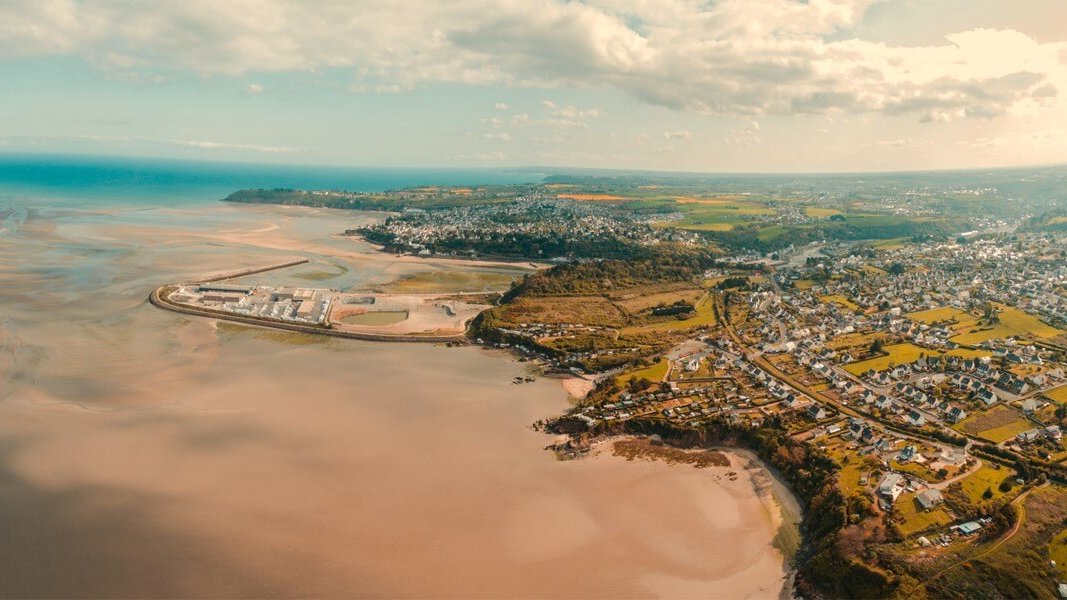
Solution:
(112, 180)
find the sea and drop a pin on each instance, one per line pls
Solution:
(149, 454)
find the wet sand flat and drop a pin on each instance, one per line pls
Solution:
(149, 454)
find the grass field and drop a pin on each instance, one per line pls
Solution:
(717, 214)
(588, 310)
(704, 314)
(997, 424)
(986, 478)
(889, 244)
(431, 282)
(841, 301)
(595, 197)
(945, 313)
(1013, 323)
(915, 518)
(820, 213)
(851, 471)
(1057, 551)
(897, 354)
(1058, 394)
(655, 372)
(642, 302)
(1019, 567)
(804, 284)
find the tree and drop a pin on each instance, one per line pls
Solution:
(876, 346)
(987, 494)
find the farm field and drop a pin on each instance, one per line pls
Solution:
(998, 424)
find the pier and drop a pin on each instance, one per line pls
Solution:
(250, 271)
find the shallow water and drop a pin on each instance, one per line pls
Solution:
(145, 453)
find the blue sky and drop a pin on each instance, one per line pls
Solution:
(733, 85)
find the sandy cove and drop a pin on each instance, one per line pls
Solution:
(748, 501)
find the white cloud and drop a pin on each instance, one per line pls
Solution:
(211, 145)
(254, 89)
(747, 135)
(500, 106)
(501, 136)
(683, 134)
(734, 57)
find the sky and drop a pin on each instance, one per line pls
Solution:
(708, 86)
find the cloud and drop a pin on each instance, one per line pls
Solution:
(254, 89)
(500, 106)
(570, 112)
(739, 58)
(501, 136)
(747, 135)
(229, 146)
(678, 135)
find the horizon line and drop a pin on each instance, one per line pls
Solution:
(543, 169)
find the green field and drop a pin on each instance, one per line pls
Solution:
(986, 477)
(655, 372)
(915, 518)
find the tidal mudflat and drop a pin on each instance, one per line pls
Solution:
(145, 453)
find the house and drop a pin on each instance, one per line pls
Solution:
(816, 412)
(956, 414)
(1029, 405)
(915, 418)
(1030, 435)
(986, 396)
(969, 527)
(929, 499)
(954, 456)
(906, 454)
(890, 487)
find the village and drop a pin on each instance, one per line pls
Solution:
(923, 370)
